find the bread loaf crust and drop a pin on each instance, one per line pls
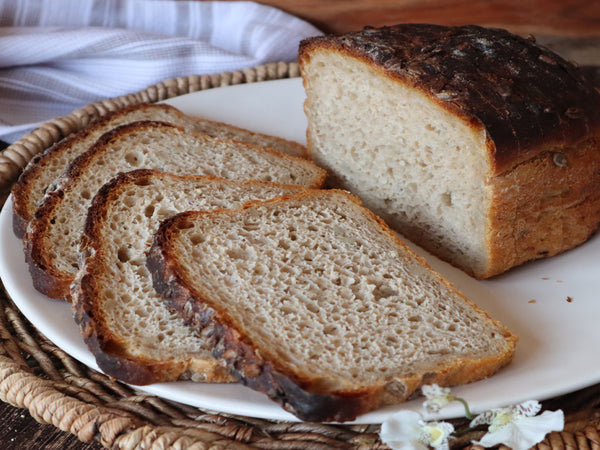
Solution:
(526, 104)
(543, 207)
(536, 116)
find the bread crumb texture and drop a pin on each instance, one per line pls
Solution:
(322, 289)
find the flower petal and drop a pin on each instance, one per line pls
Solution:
(505, 435)
(438, 434)
(437, 397)
(434, 390)
(529, 408)
(525, 432)
(402, 430)
(485, 418)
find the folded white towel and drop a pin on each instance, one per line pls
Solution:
(58, 55)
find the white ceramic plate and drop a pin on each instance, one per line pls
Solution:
(553, 304)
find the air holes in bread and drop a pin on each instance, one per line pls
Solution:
(238, 253)
(383, 291)
(196, 239)
(134, 159)
(446, 199)
(123, 254)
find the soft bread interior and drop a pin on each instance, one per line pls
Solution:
(411, 161)
(319, 289)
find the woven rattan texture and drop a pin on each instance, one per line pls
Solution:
(56, 389)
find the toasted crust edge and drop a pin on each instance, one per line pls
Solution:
(115, 362)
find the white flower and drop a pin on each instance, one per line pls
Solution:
(518, 427)
(437, 397)
(406, 430)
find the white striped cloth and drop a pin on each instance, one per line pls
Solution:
(58, 55)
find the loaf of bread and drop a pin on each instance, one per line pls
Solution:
(45, 168)
(478, 145)
(122, 319)
(314, 301)
(53, 235)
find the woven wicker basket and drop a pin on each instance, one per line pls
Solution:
(56, 389)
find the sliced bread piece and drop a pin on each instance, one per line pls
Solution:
(314, 301)
(226, 131)
(478, 145)
(43, 169)
(52, 239)
(124, 322)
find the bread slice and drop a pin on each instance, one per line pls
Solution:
(52, 239)
(45, 168)
(476, 144)
(124, 322)
(314, 301)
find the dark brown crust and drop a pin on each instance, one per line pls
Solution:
(108, 349)
(524, 96)
(254, 367)
(252, 370)
(46, 279)
(21, 190)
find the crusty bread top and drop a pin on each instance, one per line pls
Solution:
(53, 235)
(132, 334)
(522, 94)
(313, 300)
(43, 169)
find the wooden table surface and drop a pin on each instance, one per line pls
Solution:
(571, 27)
(569, 18)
